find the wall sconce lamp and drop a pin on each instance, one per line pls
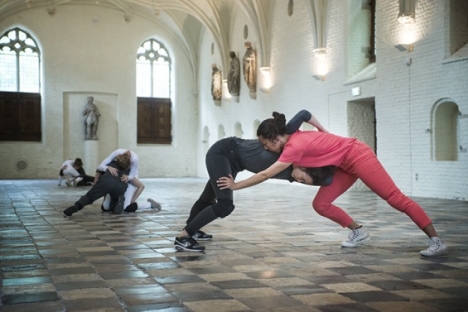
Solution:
(319, 77)
(320, 53)
(406, 18)
(404, 47)
(266, 79)
(321, 64)
(406, 14)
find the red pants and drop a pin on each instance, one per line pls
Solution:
(362, 163)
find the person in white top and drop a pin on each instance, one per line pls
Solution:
(134, 187)
(69, 171)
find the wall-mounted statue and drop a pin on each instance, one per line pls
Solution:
(91, 119)
(234, 75)
(216, 83)
(250, 67)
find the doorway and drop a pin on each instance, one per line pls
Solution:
(362, 124)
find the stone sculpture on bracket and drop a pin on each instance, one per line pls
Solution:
(216, 83)
(249, 63)
(234, 75)
(91, 119)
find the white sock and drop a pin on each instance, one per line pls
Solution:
(144, 205)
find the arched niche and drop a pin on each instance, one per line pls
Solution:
(221, 132)
(256, 124)
(238, 130)
(444, 130)
(206, 140)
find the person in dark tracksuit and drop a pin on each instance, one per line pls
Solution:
(83, 179)
(227, 157)
(107, 184)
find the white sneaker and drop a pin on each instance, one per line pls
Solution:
(154, 204)
(77, 180)
(355, 238)
(436, 248)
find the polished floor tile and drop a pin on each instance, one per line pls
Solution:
(272, 254)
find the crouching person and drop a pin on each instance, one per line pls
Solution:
(107, 184)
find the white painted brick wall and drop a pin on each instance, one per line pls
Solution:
(404, 95)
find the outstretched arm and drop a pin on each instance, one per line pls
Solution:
(228, 182)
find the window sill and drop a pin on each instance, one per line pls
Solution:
(368, 73)
(458, 56)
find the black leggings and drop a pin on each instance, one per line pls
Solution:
(107, 184)
(207, 198)
(221, 160)
(87, 180)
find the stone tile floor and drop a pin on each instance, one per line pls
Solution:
(272, 254)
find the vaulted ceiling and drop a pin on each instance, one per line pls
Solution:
(188, 19)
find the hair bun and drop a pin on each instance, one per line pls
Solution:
(278, 117)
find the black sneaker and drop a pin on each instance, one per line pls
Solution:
(202, 236)
(132, 207)
(118, 209)
(69, 211)
(187, 244)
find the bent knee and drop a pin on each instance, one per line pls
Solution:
(320, 207)
(223, 208)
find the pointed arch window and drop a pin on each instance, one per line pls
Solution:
(153, 88)
(20, 100)
(153, 70)
(19, 62)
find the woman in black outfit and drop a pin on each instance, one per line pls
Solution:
(227, 157)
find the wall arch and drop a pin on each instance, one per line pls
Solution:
(206, 140)
(444, 130)
(238, 130)
(221, 132)
(256, 124)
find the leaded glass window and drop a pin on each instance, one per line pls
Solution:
(153, 70)
(19, 62)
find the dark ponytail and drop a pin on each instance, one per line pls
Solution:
(272, 127)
